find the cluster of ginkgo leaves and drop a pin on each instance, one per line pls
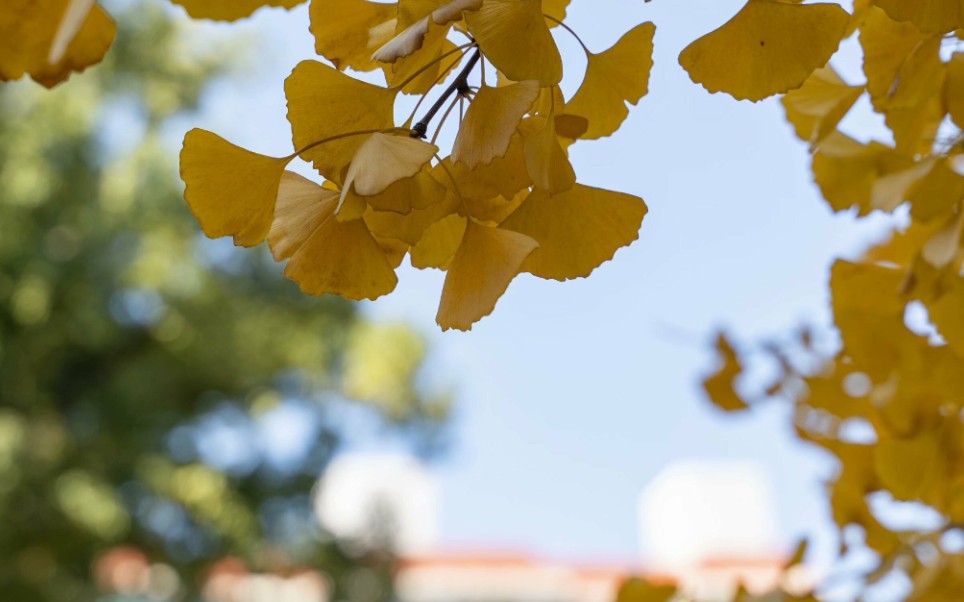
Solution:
(503, 200)
(888, 403)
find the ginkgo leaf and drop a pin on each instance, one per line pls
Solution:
(411, 38)
(324, 103)
(513, 35)
(817, 107)
(326, 255)
(577, 230)
(70, 23)
(300, 208)
(494, 210)
(420, 71)
(954, 89)
(847, 172)
(886, 45)
(440, 242)
(29, 39)
(230, 10)
(906, 465)
(555, 9)
(409, 227)
(348, 31)
(419, 192)
(946, 314)
(915, 128)
(943, 247)
(932, 16)
(486, 262)
(546, 162)
(920, 77)
(613, 78)
(230, 190)
(504, 176)
(382, 160)
(490, 122)
(936, 193)
(768, 48)
(720, 386)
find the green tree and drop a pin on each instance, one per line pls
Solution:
(127, 341)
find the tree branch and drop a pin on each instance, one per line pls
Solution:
(460, 86)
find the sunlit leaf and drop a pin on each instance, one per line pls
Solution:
(613, 78)
(769, 47)
(230, 190)
(514, 36)
(486, 262)
(31, 35)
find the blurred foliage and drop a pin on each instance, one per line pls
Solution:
(135, 356)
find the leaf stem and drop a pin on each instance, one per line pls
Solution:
(432, 63)
(345, 135)
(445, 116)
(570, 30)
(442, 75)
(459, 85)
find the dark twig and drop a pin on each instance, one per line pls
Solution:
(460, 86)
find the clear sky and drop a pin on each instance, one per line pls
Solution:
(572, 396)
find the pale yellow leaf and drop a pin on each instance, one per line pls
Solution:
(768, 48)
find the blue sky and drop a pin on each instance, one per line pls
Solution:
(572, 396)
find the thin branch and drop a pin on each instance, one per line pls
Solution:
(460, 85)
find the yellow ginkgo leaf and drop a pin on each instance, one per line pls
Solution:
(937, 192)
(954, 89)
(817, 107)
(70, 24)
(720, 386)
(326, 255)
(411, 38)
(422, 70)
(886, 45)
(31, 34)
(486, 262)
(915, 128)
(440, 242)
(943, 247)
(344, 259)
(846, 171)
(546, 161)
(324, 103)
(577, 230)
(382, 160)
(906, 466)
(514, 36)
(504, 176)
(409, 227)
(932, 16)
(613, 78)
(490, 122)
(300, 208)
(419, 192)
(946, 314)
(348, 31)
(493, 211)
(230, 10)
(230, 190)
(768, 48)
(920, 78)
(555, 10)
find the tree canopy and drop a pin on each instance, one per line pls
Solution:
(885, 397)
